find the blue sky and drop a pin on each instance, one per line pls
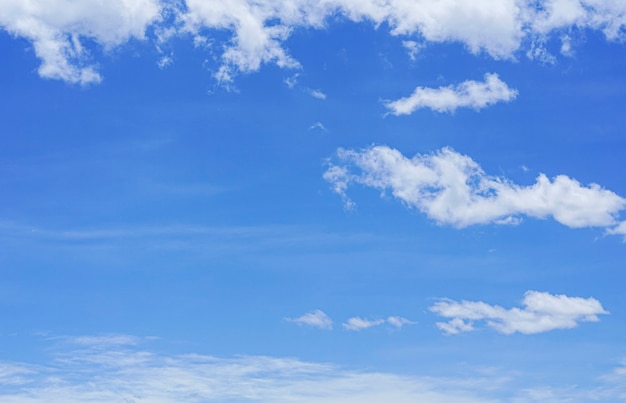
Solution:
(312, 201)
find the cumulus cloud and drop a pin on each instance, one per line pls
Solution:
(258, 30)
(541, 312)
(452, 189)
(316, 318)
(468, 94)
(58, 29)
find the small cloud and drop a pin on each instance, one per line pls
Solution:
(316, 318)
(399, 322)
(165, 61)
(318, 125)
(566, 46)
(468, 94)
(357, 323)
(317, 94)
(291, 82)
(412, 48)
(541, 312)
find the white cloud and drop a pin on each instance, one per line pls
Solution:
(412, 48)
(451, 188)
(132, 373)
(318, 125)
(317, 94)
(399, 321)
(542, 312)
(468, 94)
(316, 318)
(357, 323)
(57, 29)
(260, 28)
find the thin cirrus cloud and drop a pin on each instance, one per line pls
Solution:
(356, 323)
(60, 29)
(116, 372)
(468, 94)
(452, 189)
(541, 312)
(316, 318)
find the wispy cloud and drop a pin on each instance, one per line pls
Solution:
(316, 318)
(357, 323)
(317, 94)
(452, 189)
(468, 94)
(541, 312)
(399, 322)
(318, 125)
(134, 373)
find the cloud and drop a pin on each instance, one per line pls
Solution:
(258, 30)
(412, 48)
(399, 321)
(317, 94)
(468, 94)
(59, 28)
(135, 374)
(316, 318)
(357, 323)
(542, 312)
(452, 189)
(318, 125)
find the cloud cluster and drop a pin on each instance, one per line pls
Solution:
(451, 188)
(257, 30)
(541, 312)
(58, 30)
(319, 319)
(468, 94)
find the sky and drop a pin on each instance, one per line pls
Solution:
(312, 201)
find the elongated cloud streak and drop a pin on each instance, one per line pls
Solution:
(542, 312)
(451, 188)
(468, 94)
(316, 318)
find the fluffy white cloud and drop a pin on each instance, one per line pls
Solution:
(542, 312)
(452, 189)
(259, 29)
(58, 29)
(316, 318)
(468, 94)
